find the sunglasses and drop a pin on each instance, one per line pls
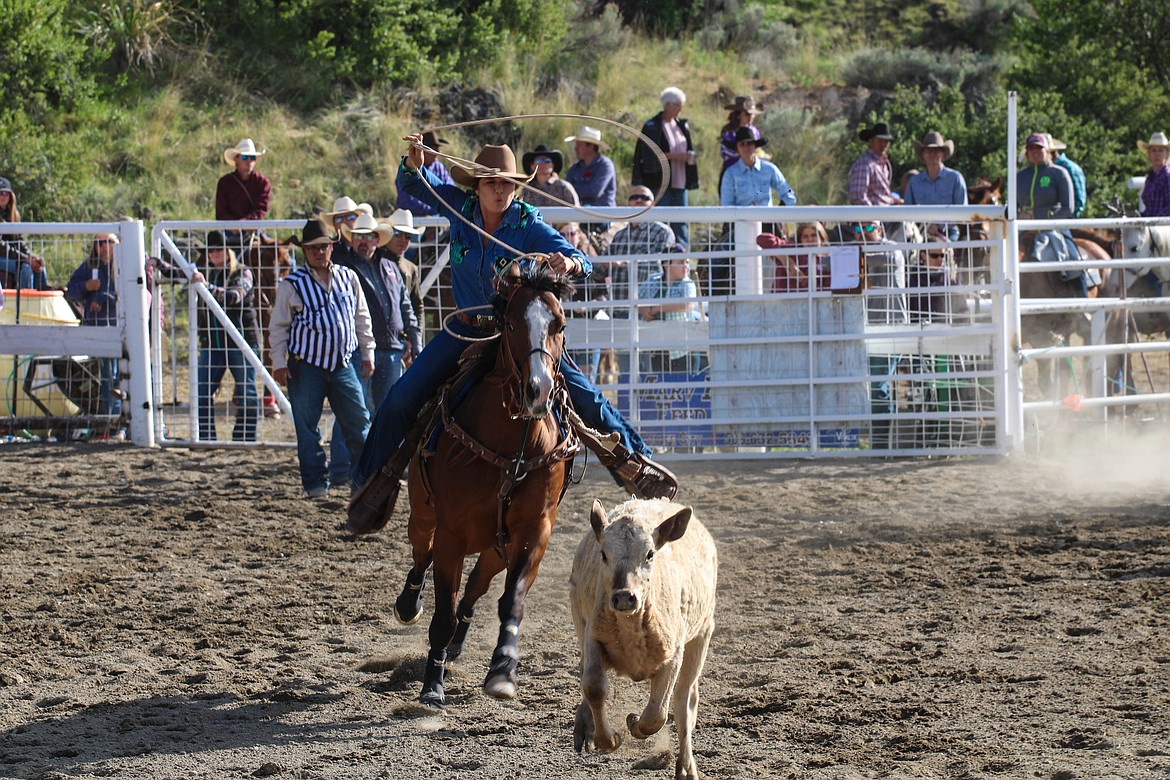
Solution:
(936, 255)
(867, 228)
(540, 160)
(400, 233)
(646, 198)
(345, 218)
(248, 157)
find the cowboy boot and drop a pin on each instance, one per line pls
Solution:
(640, 476)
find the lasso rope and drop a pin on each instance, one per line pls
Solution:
(482, 171)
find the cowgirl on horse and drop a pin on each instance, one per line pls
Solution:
(476, 262)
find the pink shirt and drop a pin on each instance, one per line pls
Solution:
(678, 143)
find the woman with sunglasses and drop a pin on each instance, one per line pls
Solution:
(489, 202)
(244, 193)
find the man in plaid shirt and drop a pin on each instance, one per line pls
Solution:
(871, 173)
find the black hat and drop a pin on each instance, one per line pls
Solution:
(746, 134)
(879, 130)
(215, 240)
(314, 232)
(543, 151)
(432, 140)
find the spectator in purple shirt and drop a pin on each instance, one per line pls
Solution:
(1156, 193)
(592, 176)
(431, 162)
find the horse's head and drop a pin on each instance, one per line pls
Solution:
(1137, 242)
(270, 259)
(984, 192)
(532, 327)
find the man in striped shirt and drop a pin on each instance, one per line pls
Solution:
(319, 319)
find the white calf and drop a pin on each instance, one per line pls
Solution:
(643, 596)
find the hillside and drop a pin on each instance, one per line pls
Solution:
(125, 107)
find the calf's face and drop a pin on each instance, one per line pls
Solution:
(628, 548)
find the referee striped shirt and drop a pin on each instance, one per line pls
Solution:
(320, 319)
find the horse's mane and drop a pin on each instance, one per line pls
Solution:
(541, 278)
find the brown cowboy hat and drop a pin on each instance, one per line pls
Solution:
(744, 104)
(879, 130)
(492, 162)
(934, 140)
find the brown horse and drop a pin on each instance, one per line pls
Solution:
(270, 261)
(492, 485)
(1044, 330)
(972, 263)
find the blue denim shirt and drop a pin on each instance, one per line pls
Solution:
(474, 266)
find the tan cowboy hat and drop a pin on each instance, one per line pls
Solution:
(346, 205)
(365, 225)
(246, 146)
(590, 135)
(111, 237)
(744, 104)
(1157, 139)
(934, 140)
(492, 162)
(403, 221)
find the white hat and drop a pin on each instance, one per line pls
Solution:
(243, 147)
(346, 205)
(366, 224)
(402, 220)
(590, 135)
(1157, 139)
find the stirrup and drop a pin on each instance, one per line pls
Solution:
(644, 478)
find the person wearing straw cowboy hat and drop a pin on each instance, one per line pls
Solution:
(545, 165)
(433, 164)
(396, 329)
(476, 265)
(1075, 172)
(345, 211)
(936, 184)
(593, 175)
(244, 193)
(320, 321)
(1155, 200)
(871, 173)
(402, 221)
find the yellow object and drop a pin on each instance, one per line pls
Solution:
(37, 307)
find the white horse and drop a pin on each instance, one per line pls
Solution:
(1148, 241)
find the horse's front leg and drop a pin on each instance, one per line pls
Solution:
(448, 570)
(486, 568)
(524, 556)
(421, 531)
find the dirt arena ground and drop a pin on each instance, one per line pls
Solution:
(187, 614)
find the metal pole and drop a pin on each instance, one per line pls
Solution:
(1014, 396)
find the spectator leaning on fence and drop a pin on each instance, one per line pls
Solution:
(233, 287)
(25, 269)
(1156, 192)
(93, 291)
(319, 321)
(244, 193)
(871, 173)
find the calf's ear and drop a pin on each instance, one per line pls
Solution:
(672, 528)
(597, 519)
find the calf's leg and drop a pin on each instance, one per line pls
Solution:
(592, 731)
(686, 705)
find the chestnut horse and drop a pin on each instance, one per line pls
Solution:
(270, 262)
(1044, 330)
(492, 484)
(973, 262)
